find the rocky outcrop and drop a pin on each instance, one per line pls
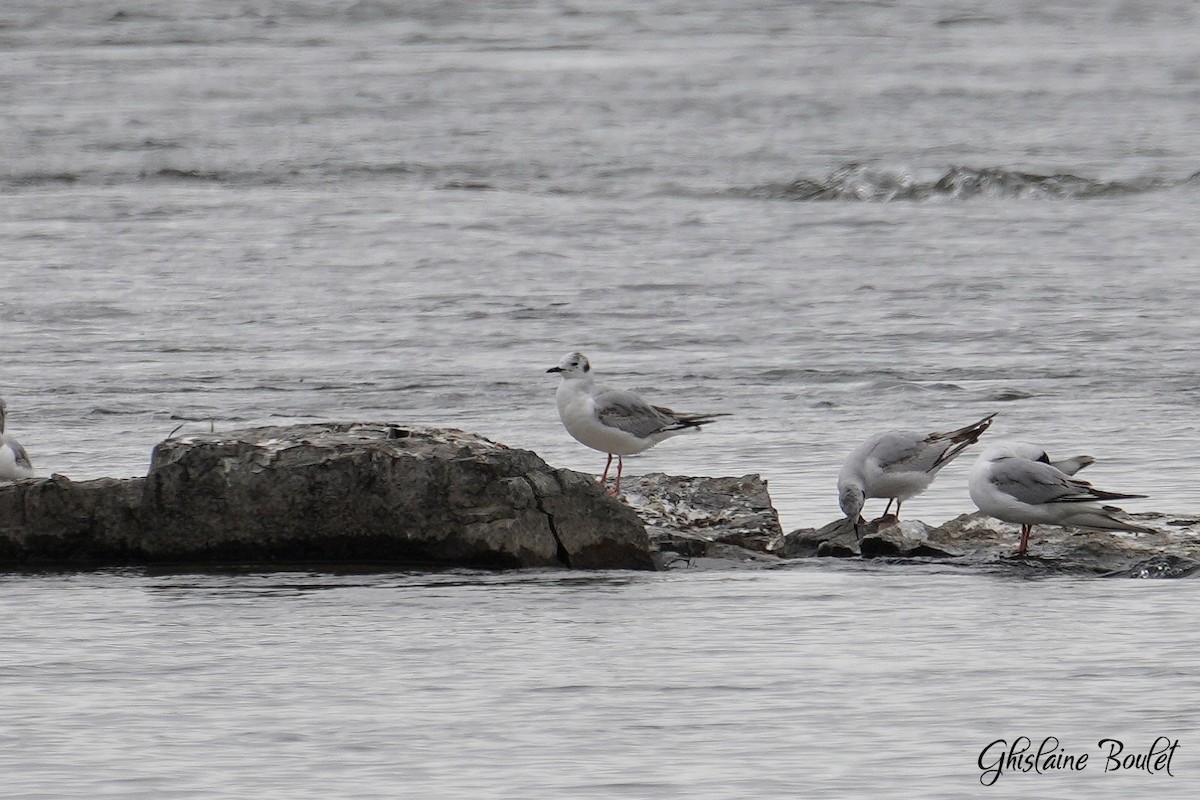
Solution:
(691, 519)
(380, 493)
(979, 541)
(332, 492)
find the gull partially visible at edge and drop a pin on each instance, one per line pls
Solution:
(14, 461)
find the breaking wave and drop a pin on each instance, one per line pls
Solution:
(853, 182)
(864, 183)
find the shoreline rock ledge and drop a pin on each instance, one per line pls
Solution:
(336, 492)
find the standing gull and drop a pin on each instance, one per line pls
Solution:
(1009, 486)
(614, 421)
(898, 465)
(14, 461)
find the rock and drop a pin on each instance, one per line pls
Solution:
(710, 518)
(980, 541)
(837, 539)
(907, 539)
(329, 492)
(56, 519)
(840, 539)
(1160, 567)
(379, 493)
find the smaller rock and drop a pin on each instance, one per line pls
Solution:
(1159, 567)
(907, 539)
(837, 539)
(706, 517)
(978, 540)
(840, 539)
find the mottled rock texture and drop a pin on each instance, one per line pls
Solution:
(329, 492)
(691, 518)
(980, 541)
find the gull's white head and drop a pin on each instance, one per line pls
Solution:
(851, 498)
(573, 365)
(1013, 449)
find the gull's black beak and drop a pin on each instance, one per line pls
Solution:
(554, 369)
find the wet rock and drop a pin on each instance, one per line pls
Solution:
(330, 492)
(907, 539)
(724, 518)
(1160, 567)
(980, 541)
(840, 539)
(56, 519)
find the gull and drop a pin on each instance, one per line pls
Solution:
(1009, 486)
(14, 461)
(898, 465)
(614, 421)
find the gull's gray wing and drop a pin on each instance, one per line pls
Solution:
(1036, 483)
(19, 454)
(1031, 482)
(22, 456)
(626, 411)
(904, 450)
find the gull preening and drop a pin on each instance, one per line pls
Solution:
(898, 465)
(1007, 484)
(14, 461)
(613, 421)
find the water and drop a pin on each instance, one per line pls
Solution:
(827, 681)
(824, 217)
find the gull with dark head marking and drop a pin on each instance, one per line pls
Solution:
(14, 461)
(898, 465)
(1008, 485)
(614, 421)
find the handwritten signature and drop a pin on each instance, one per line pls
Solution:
(1051, 755)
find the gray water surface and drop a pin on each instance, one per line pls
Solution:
(808, 681)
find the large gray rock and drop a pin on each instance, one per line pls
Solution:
(330, 492)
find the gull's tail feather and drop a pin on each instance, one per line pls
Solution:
(1088, 493)
(969, 434)
(962, 438)
(1104, 519)
(682, 422)
(1072, 465)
